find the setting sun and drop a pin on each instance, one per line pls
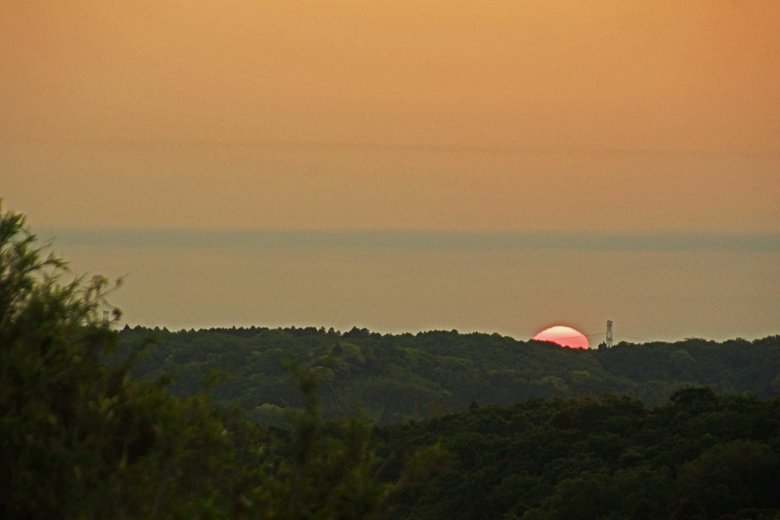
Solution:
(563, 336)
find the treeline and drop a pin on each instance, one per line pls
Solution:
(390, 378)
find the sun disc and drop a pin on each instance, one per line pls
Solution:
(563, 336)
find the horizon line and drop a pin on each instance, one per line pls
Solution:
(412, 239)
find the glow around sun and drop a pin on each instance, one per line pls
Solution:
(563, 336)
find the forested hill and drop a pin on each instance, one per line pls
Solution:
(390, 378)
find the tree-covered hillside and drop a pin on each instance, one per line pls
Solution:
(395, 377)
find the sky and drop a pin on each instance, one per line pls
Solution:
(497, 165)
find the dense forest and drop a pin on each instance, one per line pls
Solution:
(699, 456)
(96, 423)
(390, 378)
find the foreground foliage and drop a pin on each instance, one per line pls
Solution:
(79, 438)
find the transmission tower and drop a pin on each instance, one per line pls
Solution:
(609, 333)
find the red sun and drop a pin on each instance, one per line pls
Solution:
(563, 336)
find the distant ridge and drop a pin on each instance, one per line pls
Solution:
(393, 377)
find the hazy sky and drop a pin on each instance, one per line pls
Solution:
(602, 74)
(641, 119)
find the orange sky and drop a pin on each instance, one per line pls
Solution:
(530, 115)
(553, 74)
